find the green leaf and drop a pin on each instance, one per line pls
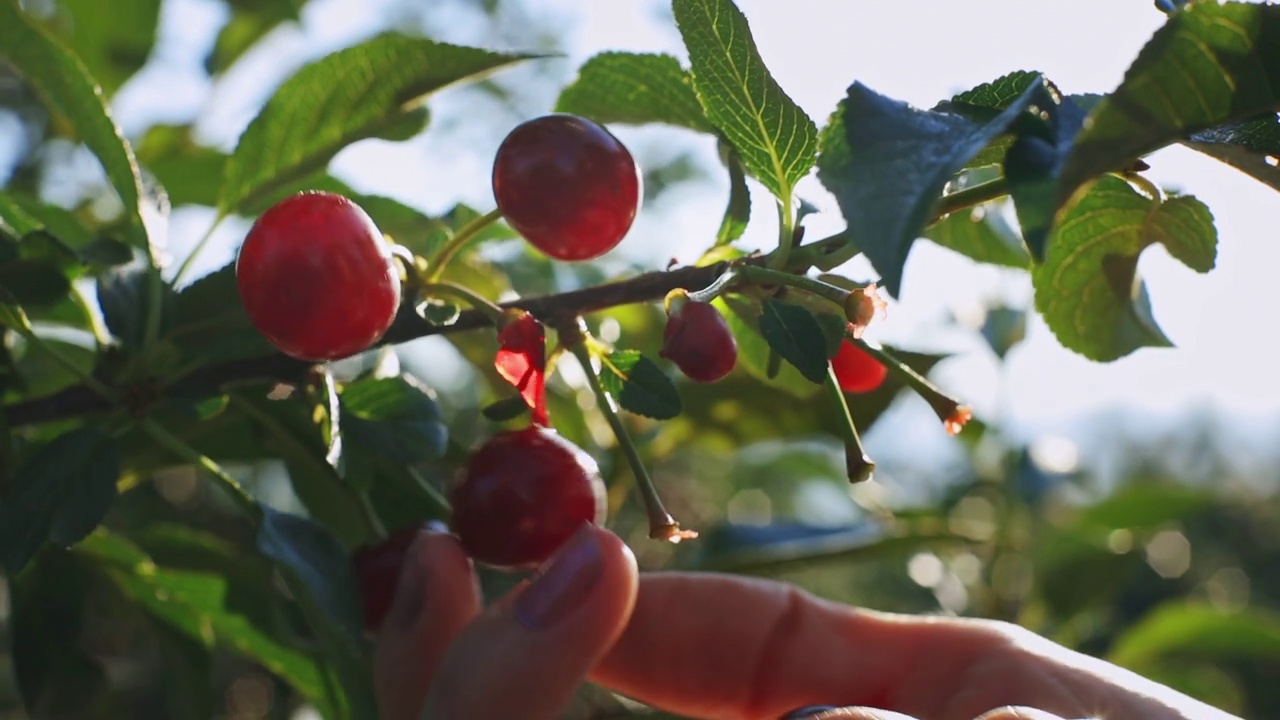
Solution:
(196, 604)
(1189, 628)
(106, 252)
(634, 89)
(794, 332)
(1088, 288)
(318, 572)
(353, 94)
(250, 22)
(639, 385)
(113, 40)
(983, 103)
(59, 494)
(743, 318)
(70, 92)
(774, 137)
(981, 234)
(1210, 64)
(190, 173)
(287, 431)
(1251, 146)
(738, 212)
(394, 417)
(888, 163)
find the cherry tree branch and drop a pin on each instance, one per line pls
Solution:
(79, 400)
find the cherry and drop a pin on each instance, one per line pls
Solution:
(378, 571)
(521, 495)
(699, 342)
(316, 277)
(567, 185)
(856, 371)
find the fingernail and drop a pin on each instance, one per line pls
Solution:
(811, 711)
(435, 526)
(562, 584)
(409, 588)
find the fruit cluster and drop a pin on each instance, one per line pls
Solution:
(320, 282)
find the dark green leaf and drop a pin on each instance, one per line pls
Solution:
(982, 234)
(983, 103)
(888, 163)
(319, 574)
(1252, 146)
(639, 385)
(209, 321)
(113, 40)
(1003, 329)
(834, 328)
(743, 318)
(774, 137)
(1035, 159)
(71, 93)
(350, 95)
(1088, 288)
(738, 212)
(34, 282)
(794, 332)
(634, 89)
(57, 676)
(125, 298)
(1210, 64)
(106, 252)
(59, 494)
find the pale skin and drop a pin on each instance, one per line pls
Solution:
(715, 646)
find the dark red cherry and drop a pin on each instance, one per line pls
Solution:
(378, 571)
(521, 495)
(856, 371)
(698, 340)
(567, 185)
(316, 277)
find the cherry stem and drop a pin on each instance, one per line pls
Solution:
(661, 525)
(943, 404)
(712, 291)
(1144, 184)
(464, 235)
(491, 310)
(767, 276)
(230, 485)
(370, 514)
(197, 249)
(858, 464)
(786, 230)
(970, 196)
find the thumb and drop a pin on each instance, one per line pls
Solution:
(526, 655)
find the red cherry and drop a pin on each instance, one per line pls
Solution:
(567, 185)
(522, 494)
(378, 571)
(856, 371)
(699, 342)
(316, 277)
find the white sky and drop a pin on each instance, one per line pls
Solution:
(920, 51)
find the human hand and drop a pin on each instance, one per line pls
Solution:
(714, 646)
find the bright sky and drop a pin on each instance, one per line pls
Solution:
(916, 50)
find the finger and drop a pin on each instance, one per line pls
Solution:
(1019, 713)
(525, 656)
(732, 647)
(846, 713)
(436, 597)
